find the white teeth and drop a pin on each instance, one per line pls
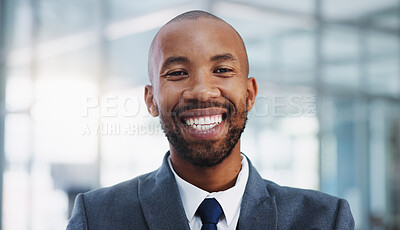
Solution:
(201, 121)
(204, 123)
(203, 127)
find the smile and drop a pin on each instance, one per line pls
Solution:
(204, 122)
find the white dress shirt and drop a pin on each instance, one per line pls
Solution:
(229, 199)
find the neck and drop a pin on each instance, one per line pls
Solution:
(211, 179)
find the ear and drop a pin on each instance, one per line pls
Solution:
(150, 102)
(251, 92)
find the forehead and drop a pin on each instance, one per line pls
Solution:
(200, 37)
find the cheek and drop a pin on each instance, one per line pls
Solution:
(167, 99)
(235, 91)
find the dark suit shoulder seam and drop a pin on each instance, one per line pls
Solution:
(337, 213)
(84, 209)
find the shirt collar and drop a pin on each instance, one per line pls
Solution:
(229, 199)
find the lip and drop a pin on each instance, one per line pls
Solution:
(203, 135)
(203, 112)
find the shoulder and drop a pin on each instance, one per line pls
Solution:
(114, 207)
(289, 196)
(307, 205)
(118, 194)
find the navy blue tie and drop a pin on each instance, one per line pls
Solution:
(209, 211)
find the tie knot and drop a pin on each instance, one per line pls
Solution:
(209, 211)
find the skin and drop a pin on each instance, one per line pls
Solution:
(211, 68)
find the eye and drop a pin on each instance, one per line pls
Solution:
(177, 73)
(222, 70)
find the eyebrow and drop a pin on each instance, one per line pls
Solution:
(223, 57)
(174, 60)
(183, 59)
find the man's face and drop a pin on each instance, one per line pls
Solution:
(200, 89)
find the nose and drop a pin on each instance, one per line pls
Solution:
(202, 88)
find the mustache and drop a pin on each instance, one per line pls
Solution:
(204, 105)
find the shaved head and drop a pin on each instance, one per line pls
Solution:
(190, 15)
(193, 15)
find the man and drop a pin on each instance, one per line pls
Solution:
(200, 89)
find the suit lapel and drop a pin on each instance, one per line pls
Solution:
(258, 209)
(160, 200)
(159, 194)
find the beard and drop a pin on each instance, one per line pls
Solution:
(206, 153)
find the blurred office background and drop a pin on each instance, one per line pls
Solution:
(72, 117)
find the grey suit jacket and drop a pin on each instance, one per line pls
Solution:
(152, 201)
